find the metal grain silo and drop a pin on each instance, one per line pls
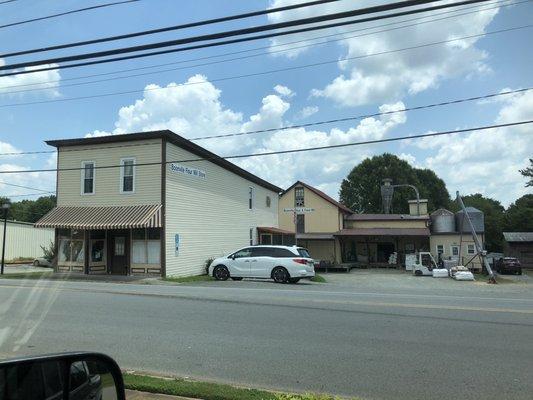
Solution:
(442, 221)
(476, 216)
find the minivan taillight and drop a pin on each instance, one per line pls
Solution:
(300, 261)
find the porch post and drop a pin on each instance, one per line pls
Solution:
(86, 250)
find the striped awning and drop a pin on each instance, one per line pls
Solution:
(110, 217)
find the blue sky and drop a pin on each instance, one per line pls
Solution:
(485, 162)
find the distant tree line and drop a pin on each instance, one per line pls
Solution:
(361, 192)
(29, 210)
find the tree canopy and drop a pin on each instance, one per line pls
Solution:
(30, 210)
(361, 190)
(519, 215)
(528, 173)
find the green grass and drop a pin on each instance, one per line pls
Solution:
(185, 279)
(318, 278)
(208, 390)
(27, 275)
(199, 390)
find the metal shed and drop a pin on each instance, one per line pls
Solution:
(23, 240)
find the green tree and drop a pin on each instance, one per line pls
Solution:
(494, 218)
(519, 215)
(528, 173)
(361, 190)
(30, 210)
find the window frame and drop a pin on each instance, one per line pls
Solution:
(251, 236)
(437, 248)
(251, 195)
(122, 176)
(302, 217)
(145, 245)
(468, 249)
(82, 176)
(454, 246)
(296, 190)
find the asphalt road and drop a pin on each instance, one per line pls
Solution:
(460, 342)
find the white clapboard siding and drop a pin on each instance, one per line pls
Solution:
(107, 180)
(210, 214)
(23, 240)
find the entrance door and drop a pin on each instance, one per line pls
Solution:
(118, 252)
(384, 252)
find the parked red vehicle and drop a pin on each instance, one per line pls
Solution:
(509, 265)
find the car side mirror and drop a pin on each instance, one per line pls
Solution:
(64, 376)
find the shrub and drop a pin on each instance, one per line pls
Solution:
(208, 264)
(49, 253)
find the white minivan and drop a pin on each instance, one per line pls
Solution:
(284, 264)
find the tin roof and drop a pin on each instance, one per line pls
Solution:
(384, 232)
(385, 217)
(109, 217)
(518, 236)
(272, 229)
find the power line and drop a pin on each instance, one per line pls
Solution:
(24, 195)
(167, 29)
(290, 151)
(226, 42)
(476, 8)
(324, 122)
(6, 1)
(66, 99)
(66, 13)
(240, 32)
(23, 187)
(234, 59)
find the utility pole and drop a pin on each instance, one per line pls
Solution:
(480, 252)
(5, 209)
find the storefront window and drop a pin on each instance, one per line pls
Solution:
(71, 247)
(146, 246)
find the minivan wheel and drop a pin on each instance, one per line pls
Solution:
(36, 263)
(221, 273)
(236, 278)
(418, 272)
(280, 275)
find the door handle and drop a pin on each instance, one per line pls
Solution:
(246, 260)
(254, 260)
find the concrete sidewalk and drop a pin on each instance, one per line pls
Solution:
(136, 395)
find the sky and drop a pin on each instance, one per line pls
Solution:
(175, 91)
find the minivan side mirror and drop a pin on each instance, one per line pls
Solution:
(79, 375)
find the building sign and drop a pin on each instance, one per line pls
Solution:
(299, 210)
(176, 244)
(182, 169)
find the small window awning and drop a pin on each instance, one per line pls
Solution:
(109, 217)
(274, 230)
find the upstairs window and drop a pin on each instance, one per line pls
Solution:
(471, 249)
(127, 175)
(299, 197)
(87, 177)
(300, 223)
(250, 198)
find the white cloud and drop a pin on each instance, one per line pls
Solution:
(306, 112)
(283, 91)
(389, 77)
(486, 161)
(38, 180)
(48, 81)
(197, 110)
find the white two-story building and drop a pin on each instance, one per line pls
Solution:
(152, 203)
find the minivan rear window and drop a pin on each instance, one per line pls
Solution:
(303, 252)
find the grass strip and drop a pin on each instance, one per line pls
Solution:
(318, 278)
(209, 390)
(27, 275)
(185, 279)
